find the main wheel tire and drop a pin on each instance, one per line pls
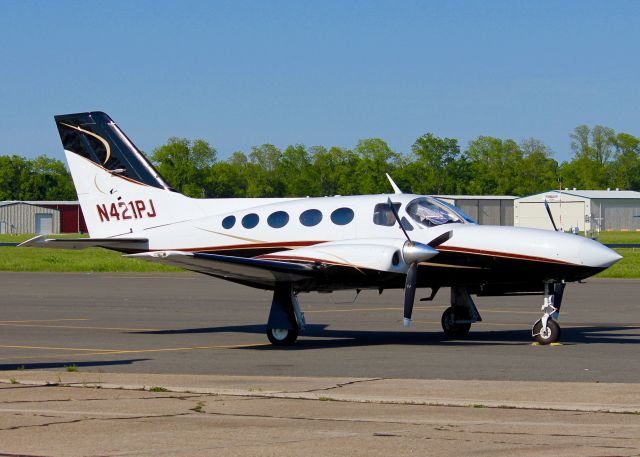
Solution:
(282, 336)
(551, 335)
(451, 328)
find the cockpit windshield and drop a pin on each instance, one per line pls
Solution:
(430, 212)
(458, 211)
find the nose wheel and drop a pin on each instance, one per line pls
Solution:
(546, 330)
(548, 335)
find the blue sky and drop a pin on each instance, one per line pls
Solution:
(239, 74)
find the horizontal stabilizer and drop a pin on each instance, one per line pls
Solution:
(116, 244)
(250, 271)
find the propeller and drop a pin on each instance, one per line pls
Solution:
(414, 253)
(546, 205)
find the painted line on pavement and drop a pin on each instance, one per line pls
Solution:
(81, 352)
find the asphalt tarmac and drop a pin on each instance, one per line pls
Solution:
(193, 324)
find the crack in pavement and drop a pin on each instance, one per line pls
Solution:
(337, 386)
(385, 421)
(173, 397)
(87, 419)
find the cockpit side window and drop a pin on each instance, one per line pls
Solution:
(458, 211)
(428, 212)
(382, 214)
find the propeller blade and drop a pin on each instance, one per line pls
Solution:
(546, 205)
(437, 241)
(410, 293)
(395, 214)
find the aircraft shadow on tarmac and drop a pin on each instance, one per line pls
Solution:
(50, 365)
(324, 337)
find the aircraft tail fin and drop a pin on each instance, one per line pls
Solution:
(96, 137)
(119, 190)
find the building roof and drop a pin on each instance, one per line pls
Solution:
(554, 195)
(477, 197)
(596, 194)
(39, 202)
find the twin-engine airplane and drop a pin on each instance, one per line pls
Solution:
(293, 245)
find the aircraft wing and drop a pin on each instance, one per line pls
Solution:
(250, 271)
(296, 265)
(116, 244)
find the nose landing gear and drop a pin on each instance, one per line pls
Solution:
(546, 330)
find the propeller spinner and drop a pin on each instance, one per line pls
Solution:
(414, 253)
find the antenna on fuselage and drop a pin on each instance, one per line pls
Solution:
(396, 189)
(546, 205)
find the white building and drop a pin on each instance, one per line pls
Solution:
(590, 211)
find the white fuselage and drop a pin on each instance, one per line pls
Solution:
(118, 207)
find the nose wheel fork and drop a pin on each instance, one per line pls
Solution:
(546, 330)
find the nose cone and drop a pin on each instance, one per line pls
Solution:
(597, 255)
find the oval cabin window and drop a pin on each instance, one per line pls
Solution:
(228, 222)
(342, 216)
(311, 217)
(250, 220)
(278, 219)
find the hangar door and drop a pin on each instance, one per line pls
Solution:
(565, 214)
(44, 223)
(489, 212)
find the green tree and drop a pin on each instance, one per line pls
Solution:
(263, 179)
(185, 164)
(48, 180)
(625, 168)
(14, 172)
(537, 171)
(228, 178)
(593, 149)
(494, 165)
(296, 172)
(42, 178)
(433, 165)
(375, 158)
(335, 170)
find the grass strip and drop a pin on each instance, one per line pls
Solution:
(63, 260)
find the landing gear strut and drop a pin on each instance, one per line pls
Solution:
(546, 330)
(286, 320)
(457, 319)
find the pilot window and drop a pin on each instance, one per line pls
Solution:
(428, 212)
(228, 222)
(342, 216)
(382, 214)
(250, 220)
(310, 217)
(278, 219)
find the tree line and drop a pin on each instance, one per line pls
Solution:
(601, 159)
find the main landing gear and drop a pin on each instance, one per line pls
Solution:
(546, 330)
(457, 319)
(286, 320)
